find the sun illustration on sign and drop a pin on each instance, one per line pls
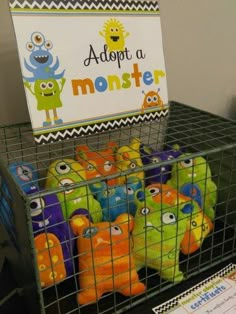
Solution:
(114, 34)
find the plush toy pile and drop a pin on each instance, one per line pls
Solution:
(118, 210)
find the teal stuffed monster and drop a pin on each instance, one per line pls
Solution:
(158, 232)
(193, 178)
(67, 173)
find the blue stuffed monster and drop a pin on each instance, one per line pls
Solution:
(149, 156)
(116, 200)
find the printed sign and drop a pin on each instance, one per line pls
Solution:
(89, 66)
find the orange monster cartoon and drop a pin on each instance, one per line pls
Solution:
(105, 259)
(152, 99)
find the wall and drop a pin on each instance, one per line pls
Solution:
(200, 53)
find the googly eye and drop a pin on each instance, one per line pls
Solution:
(129, 190)
(186, 163)
(29, 46)
(67, 183)
(145, 211)
(133, 165)
(43, 85)
(170, 157)
(50, 85)
(107, 166)
(116, 230)
(154, 98)
(168, 218)
(149, 99)
(63, 167)
(36, 206)
(155, 160)
(24, 173)
(91, 167)
(154, 191)
(90, 232)
(48, 45)
(38, 39)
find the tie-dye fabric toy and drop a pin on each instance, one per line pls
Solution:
(118, 199)
(66, 173)
(158, 232)
(128, 158)
(25, 175)
(192, 177)
(106, 262)
(198, 226)
(153, 157)
(98, 163)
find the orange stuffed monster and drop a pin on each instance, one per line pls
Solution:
(98, 163)
(105, 259)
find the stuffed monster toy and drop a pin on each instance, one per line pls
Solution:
(153, 157)
(52, 236)
(106, 262)
(158, 232)
(67, 173)
(98, 163)
(25, 175)
(118, 199)
(128, 158)
(192, 177)
(198, 226)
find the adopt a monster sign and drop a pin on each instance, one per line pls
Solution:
(89, 66)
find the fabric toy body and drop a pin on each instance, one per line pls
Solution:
(51, 232)
(100, 163)
(105, 259)
(116, 200)
(198, 226)
(25, 175)
(128, 158)
(150, 156)
(6, 211)
(192, 177)
(66, 173)
(158, 232)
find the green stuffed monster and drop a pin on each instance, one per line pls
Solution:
(66, 173)
(158, 232)
(193, 178)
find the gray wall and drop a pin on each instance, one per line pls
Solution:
(200, 52)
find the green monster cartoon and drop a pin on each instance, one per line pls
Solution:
(47, 92)
(157, 235)
(193, 178)
(67, 173)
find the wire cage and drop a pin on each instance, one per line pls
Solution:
(91, 239)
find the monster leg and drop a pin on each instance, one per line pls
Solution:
(89, 296)
(48, 121)
(56, 119)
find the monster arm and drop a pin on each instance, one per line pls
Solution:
(28, 85)
(56, 65)
(63, 80)
(28, 67)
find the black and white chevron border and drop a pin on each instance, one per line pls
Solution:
(75, 132)
(121, 5)
(169, 305)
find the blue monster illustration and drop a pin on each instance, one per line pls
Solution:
(116, 200)
(41, 60)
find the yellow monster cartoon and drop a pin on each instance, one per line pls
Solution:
(114, 34)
